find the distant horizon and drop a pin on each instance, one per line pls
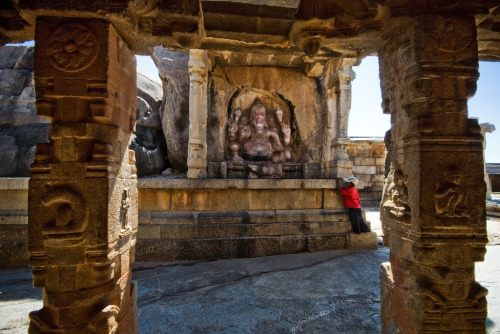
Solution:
(366, 118)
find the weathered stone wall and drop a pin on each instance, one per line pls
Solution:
(13, 221)
(207, 219)
(148, 141)
(368, 157)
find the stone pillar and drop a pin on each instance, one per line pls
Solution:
(82, 205)
(197, 149)
(434, 199)
(486, 128)
(341, 165)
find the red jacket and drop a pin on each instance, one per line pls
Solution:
(351, 197)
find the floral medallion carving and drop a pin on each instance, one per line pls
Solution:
(73, 47)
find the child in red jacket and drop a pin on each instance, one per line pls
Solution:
(351, 202)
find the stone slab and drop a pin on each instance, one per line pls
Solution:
(229, 199)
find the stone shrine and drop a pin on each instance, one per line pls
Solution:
(268, 104)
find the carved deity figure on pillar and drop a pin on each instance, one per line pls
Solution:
(450, 195)
(396, 196)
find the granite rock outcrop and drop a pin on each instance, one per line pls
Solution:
(20, 128)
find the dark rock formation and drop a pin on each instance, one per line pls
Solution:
(148, 141)
(174, 73)
(20, 128)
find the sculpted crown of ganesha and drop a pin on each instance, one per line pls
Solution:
(258, 134)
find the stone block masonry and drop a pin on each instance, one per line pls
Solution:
(183, 219)
(220, 219)
(368, 157)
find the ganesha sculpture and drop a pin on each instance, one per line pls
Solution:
(252, 139)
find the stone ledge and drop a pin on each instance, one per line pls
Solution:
(8, 183)
(14, 183)
(163, 183)
(13, 217)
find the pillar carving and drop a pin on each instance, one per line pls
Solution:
(197, 146)
(82, 205)
(340, 91)
(433, 210)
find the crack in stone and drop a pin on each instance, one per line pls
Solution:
(162, 294)
(153, 266)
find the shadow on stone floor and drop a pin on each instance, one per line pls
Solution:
(326, 292)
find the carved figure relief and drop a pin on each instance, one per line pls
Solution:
(73, 47)
(259, 134)
(396, 197)
(450, 34)
(125, 210)
(450, 196)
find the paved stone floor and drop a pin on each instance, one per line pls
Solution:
(327, 292)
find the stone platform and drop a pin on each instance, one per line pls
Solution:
(184, 219)
(13, 221)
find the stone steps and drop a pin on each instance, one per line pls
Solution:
(175, 236)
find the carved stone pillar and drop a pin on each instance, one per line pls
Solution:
(82, 205)
(433, 203)
(341, 165)
(197, 149)
(486, 128)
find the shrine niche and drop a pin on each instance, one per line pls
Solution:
(265, 122)
(259, 140)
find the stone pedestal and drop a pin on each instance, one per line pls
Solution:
(341, 165)
(82, 202)
(433, 205)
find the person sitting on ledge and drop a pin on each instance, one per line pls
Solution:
(352, 202)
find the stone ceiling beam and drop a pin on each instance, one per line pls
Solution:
(315, 27)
